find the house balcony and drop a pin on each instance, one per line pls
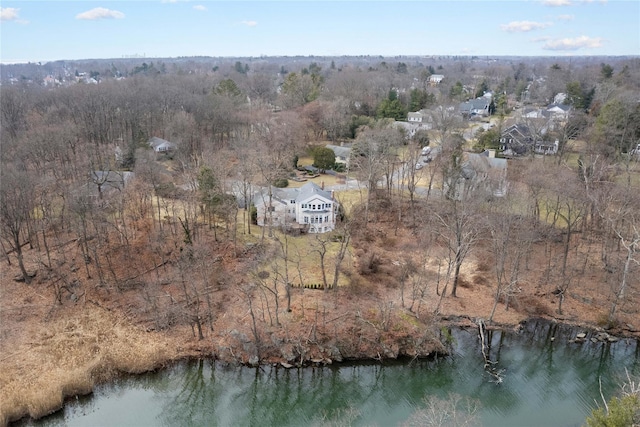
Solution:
(316, 212)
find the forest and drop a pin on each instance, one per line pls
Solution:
(121, 258)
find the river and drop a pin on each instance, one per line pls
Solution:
(546, 382)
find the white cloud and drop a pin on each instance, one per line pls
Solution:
(582, 42)
(200, 7)
(8, 14)
(249, 23)
(556, 3)
(100, 13)
(565, 17)
(523, 26)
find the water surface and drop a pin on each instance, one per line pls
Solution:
(545, 383)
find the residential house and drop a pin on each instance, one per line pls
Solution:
(163, 146)
(517, 139)
(422, 119)
(482, 173)
(547, 147)
(417, 117)
(307, 209)
(343, 154)
(51, 81)
(559, 112)
(487, 172)
(520, 139)
(435, 79)
(479, 107)
(534, 113)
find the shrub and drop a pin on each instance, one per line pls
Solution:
(339, 167)
(464, 283)
(480, 280)
(323, 158)
(483, 265)
(369, 264)
(531, 305)
(605, 322)
(281, 182)
(166, 190)
(622, 412)
(389, 242)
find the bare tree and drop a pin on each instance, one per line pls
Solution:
(374, 154)
(411, 174)
(460, 229)
(151, 172)
(510, 242)
(621, 213)
(320, 244)
(335, 119)
(343, 235)
(16, 205)
(13, 109)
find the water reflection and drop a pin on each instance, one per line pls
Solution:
(546, 382)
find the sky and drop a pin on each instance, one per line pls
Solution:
(40, 31)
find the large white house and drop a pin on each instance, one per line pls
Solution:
(308, 208)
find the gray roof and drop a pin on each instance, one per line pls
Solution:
(310, 189)
(158, 143)
(481, 163)
(563, 107)
(340, 151)
(284, 195)
(481, 103)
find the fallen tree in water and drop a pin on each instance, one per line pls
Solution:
(489, 365)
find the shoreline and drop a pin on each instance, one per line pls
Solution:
(107, 374)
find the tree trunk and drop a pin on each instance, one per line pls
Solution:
(623, 284)
(23, 270)
(456, 277)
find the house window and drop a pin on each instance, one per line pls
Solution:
(313, 207)
(328, 205)
(306, 220)
(272, 209)
(320, 220)
(293, 202)
(326, 218)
